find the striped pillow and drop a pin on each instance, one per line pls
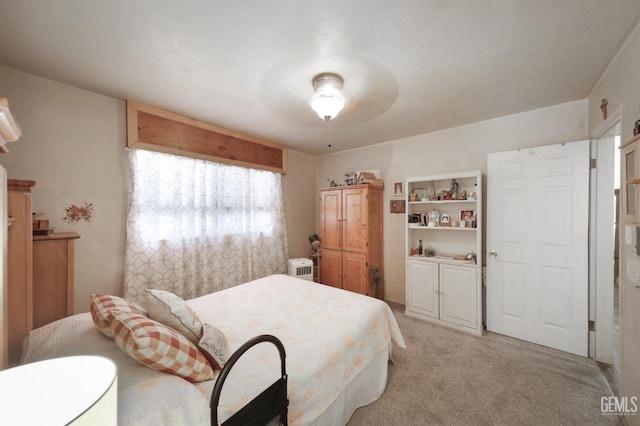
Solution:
(159, 347)
(101, 306)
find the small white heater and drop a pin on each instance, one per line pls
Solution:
(301, 268)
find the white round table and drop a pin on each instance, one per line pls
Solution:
(77, 390)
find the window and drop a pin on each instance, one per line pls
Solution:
(191, 222)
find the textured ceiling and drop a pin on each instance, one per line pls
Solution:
(410, 67)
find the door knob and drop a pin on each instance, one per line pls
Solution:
(493, 253)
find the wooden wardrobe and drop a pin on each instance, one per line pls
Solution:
(351, 238)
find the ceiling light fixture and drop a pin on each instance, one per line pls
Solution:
(327, 101)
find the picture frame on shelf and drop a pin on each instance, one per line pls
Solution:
(398, 188)
(433, 218)
(467, 218)
(420, 194)
(397, 206)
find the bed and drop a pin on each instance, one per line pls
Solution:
(338, 345)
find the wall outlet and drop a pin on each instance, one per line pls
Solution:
(393, 278)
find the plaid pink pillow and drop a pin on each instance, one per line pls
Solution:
(101, 306)
(159, 347)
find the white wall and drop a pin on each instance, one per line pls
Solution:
(450, 150)
(620, 85)
(299, 202)
(73, 147)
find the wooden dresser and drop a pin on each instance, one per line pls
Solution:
(40, 271)
(53, 267)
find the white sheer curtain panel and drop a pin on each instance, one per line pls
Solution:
(195, 227)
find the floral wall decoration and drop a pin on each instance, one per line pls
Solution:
(77, 213)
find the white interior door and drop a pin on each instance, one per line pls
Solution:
(537, 241)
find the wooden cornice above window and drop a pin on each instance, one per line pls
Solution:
(154, 129)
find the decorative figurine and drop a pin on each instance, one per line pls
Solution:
(315, 244)
(454, 190)
(431, 191)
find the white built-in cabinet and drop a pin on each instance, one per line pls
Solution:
(629, 285)
(444, 282)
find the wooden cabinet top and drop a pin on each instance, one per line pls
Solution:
(57, 236)
(636, 138)
(20, 185)
(359, 186)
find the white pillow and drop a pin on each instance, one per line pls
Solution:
(171, 310)
(213, 346)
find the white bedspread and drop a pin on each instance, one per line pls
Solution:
(329, 336)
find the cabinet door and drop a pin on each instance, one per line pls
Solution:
(331, 219)
(422, 288)
(354, 272)
(331, 268)
(458, 298)
(354, 215)
(53, 265)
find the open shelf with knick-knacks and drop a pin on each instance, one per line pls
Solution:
(443, 249)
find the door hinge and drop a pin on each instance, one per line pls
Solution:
(593, 163)
(592, 326)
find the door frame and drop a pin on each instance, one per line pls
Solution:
(600, 288)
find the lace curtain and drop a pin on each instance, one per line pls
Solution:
(196, 227)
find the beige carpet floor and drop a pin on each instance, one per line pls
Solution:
(447, 377)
